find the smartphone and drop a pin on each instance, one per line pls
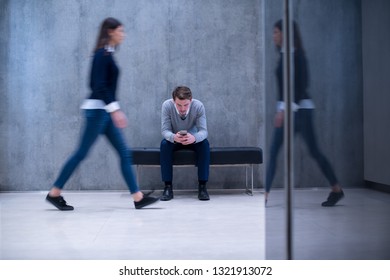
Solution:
(183, 132)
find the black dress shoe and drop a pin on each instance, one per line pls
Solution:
(167, 194)
(145, 201)
(333, 198)
(202, 194)
(59, 202)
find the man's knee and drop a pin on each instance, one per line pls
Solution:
(204, 144)
(165, 144)
(166, 151)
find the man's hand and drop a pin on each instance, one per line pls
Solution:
(187, 139)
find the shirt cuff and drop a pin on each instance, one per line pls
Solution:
(281, 106)
(112, 107)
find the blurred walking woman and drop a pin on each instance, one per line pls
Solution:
(303, 116)
(102, 116)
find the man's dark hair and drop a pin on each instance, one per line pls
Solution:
(182, 93)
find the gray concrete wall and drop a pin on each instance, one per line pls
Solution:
(211, 46)
(376, 62)
(222, 49)
(331, 34)
(4, 29)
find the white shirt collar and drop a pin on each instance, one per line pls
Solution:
(109, 48)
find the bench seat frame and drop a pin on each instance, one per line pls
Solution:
(220, 157)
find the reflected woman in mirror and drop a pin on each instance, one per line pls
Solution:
(303, 108)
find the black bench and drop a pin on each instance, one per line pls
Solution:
(224, 156)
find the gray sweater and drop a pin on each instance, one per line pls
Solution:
(195, 122)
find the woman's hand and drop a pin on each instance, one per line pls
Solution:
(279, 117)
(119, 119)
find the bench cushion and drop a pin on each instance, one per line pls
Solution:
(236, 155)
(218, 156)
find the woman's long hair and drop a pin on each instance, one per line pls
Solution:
(297, 35)
(104, 37)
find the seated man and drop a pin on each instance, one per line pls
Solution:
(184, 126)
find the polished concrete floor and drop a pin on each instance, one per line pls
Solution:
(232, 225)
(357, 228)
(105, 225)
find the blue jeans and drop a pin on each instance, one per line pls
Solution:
(303, 124)
(202, 150)
(98, 122)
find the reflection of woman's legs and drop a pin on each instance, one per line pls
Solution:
(277, 142)
(117, 140)
(94, 124)
(305, 126)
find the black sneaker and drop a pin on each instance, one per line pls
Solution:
(167, 194)
(333, 198)
(145, 201)
(59, 202)
(202, 194)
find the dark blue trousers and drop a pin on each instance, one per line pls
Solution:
(202, 150)
(99, 122)
(303, 124)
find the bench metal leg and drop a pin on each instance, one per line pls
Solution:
(247, 190)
